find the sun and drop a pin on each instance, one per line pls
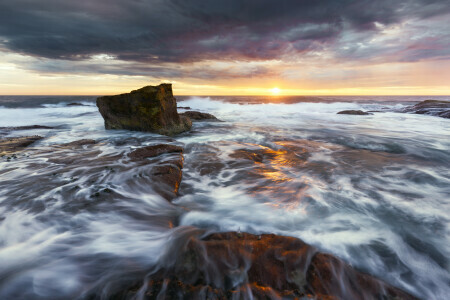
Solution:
(275, 91)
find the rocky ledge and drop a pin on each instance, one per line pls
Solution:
(353, 112)
(237, 265)
(151, 108)
(14, 144)
(430, 107)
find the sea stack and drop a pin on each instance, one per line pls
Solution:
(151, 108)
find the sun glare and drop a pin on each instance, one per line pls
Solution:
(275, 91)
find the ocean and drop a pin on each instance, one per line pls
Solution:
(372, 190)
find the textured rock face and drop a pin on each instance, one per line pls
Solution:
(151, 108)
(243, 266)
(431, 107)
(353, 112)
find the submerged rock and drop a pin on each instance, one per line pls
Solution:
(79, 143)
(199, 116)
(75, 104)
(238, 265)
(15, 144)
(430, 107)
(151, 108)
(353, 112)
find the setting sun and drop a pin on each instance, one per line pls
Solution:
(275, 91)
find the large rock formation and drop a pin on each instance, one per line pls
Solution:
(151, 108)
(237, 265)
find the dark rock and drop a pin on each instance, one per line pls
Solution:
(155, 150)
(430, 107)
(26, 127)
(353, 112)
(169, 176)
(75, 104)
(199, 116)
(444, 114)
(183, 107)
(79, 143)
(239, 265)
(151, 108)
(15, 144)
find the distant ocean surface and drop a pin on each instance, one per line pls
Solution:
(36, 101)
(373, 190)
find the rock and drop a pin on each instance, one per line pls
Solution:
(75, 104)
(79, 143)
(353, 112)
(169, 178)
(199, 116)
(430, 107)
(445, 114)
(238, 265)
(26, 127)
(151, 108)
(183, 107)
(254, 155)
(166, 171)
(15, 144)
(155, 150)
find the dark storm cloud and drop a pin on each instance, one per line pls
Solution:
(194, 30)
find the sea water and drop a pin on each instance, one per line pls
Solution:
(373, 190)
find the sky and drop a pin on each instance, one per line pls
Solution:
(215, 47)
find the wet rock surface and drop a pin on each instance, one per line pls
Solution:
(199, 116)
(79, 143)
(430, 107)
(14, 144)
(154, 150)
(236, 265)
(166, 169)
(353, 112)
(151, 108)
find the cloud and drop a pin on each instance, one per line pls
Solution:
(158, 32)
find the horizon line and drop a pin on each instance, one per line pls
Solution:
(236, 95)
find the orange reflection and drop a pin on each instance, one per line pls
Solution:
(279, 172)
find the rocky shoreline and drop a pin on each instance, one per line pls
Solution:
(222, 265)
(236, 264)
